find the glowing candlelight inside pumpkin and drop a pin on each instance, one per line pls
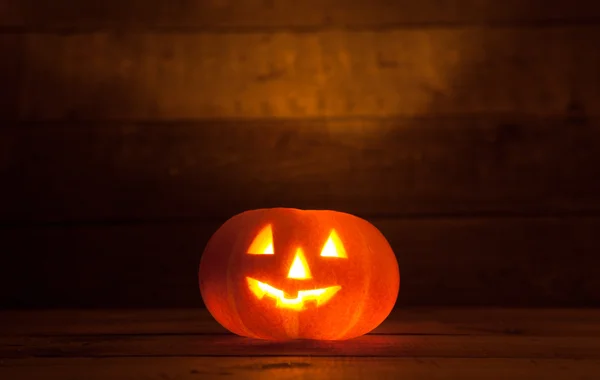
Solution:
(288, 273)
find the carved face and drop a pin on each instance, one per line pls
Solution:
(288, 273)
(299, 270)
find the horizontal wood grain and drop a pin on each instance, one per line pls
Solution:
(528, 262)
(364, 346)
(70, 172)
(402, 321)
(438, 343)
(287, 13)
(300, 367)
(398, 72)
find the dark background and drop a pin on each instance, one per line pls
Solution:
(466, 130)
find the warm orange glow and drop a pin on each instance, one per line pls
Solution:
(327, 275)
(299, 269)
(263, 242)
(333, 247)
(320, 296)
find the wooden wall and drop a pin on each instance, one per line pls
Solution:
(466, 130)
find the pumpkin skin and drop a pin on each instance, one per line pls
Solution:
(306, 252)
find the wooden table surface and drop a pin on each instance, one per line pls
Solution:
(410, 344)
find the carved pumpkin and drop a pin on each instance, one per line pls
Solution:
(298, 274)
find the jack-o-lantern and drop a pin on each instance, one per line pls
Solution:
(298, 274)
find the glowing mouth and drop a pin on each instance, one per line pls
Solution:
(321, 296)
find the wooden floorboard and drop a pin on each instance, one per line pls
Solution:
(432, 343)
(365, 346)
(299, 367)
(412, 321)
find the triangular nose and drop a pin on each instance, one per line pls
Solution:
(299, 269)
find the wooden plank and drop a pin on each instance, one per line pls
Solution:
(481, 262)
(366, 346)
(412, 321)
(402, 167)
(287, 13)
(400, 72)
(300, 367)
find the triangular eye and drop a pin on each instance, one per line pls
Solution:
(333, 247)
(263, 242)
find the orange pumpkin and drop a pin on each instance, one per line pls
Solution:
(298, 274)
